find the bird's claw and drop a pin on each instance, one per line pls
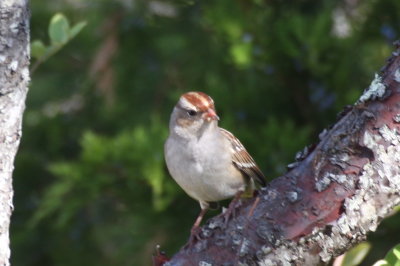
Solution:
(195, 236)
(231, 211)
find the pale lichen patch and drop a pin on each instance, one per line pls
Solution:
(327, 178)
(13, 66)
(3, 58)
(375, 91)
(14, 27)
(244, 248)
(396, 118)
(371, 141)
(397, 75)
(292, 196)
(343, 225)
(322, 183)
(389, 135)
(204, 263)
(341, 179)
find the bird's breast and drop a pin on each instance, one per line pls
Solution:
(204, 169)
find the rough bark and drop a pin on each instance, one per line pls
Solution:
(334, 194)
(14, 78)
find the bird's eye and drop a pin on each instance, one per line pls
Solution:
(192, 112)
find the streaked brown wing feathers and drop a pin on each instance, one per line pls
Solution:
(242, 159)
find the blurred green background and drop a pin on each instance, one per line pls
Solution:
(91, 186)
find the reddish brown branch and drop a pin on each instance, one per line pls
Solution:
(335, 193)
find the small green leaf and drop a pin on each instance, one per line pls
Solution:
(76, 29)
(59, 29)
(396, 252)
(356, 255)
(393, 256)
(38, 49)
(381, 263)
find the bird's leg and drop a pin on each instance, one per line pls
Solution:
(230, 212)
(256, 201)
(195, 231)
(196, 225)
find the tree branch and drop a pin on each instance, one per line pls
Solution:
(14, 79)
(334, 194)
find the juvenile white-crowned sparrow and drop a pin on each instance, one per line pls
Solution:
(208, 162)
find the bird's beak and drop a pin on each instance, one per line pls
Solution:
(210, 115)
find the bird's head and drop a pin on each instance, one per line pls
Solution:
(193, 114)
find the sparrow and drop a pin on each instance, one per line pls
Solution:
(208, 162)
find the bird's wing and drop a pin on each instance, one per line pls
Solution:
(242, 159)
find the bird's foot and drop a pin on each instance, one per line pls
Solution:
(231, 211)
(194, 237)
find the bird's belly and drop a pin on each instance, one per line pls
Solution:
(204, 170)
(211, 184)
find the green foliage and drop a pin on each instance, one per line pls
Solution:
(356, 255)
(38, 49)
(58, 29)
(91, 187)
(103, 163)
(278, 136)
(392, 258)
(60, 33)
